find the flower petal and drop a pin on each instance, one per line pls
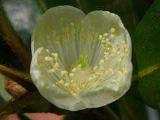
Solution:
(103, 27)
(54, 33)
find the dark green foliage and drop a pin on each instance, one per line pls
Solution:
(146, 41)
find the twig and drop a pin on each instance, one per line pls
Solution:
(21, 78)
(30, 100)
(13, 40)
(15, 74)
(14, 89)
(146, 71)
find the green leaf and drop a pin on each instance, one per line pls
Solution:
(123, 8)
(149, 87)
(146, 45)
(141, 7)
(131, 108)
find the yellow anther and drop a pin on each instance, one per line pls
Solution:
(90, 78)
(125, 45)
(107, 39)
(66, 84)
(79, 66)
(74, 94)
(83, 85)
(61, 82)
(107, 48)
(64, 72)
(47, 50)
(51, 70)
(95, 68)
(118, 52)
(120, 60)
(120, 72)
(111, 70)
(113, 30)
(106, 53)
(55, 55)
(72, 24)
(74, 70)
(119, 80)
(93, 76)
(124, 71)
(100, 37)
(56, 65)
(115, 81)
(48, 58)
(106, 57)
(103, 41)
(98, 73)
(101, 61)
(78, 89)
(71, 74)
(112, 36)
(106, 72)
(105, 34)
(126, 50)
(72, 81)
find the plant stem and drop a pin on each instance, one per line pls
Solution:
(146, 71)
(14, 89)
(15, 74)
(30, 100)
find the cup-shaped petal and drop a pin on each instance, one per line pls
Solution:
(80, 61)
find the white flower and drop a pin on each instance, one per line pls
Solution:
(83, 61)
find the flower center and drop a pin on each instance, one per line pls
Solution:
(110, 69)
(111, 66)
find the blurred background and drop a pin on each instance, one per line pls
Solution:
(140, 17)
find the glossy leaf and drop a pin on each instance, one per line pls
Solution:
(149, 87)
(147, 56)
(141, 6)
(131, 108)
